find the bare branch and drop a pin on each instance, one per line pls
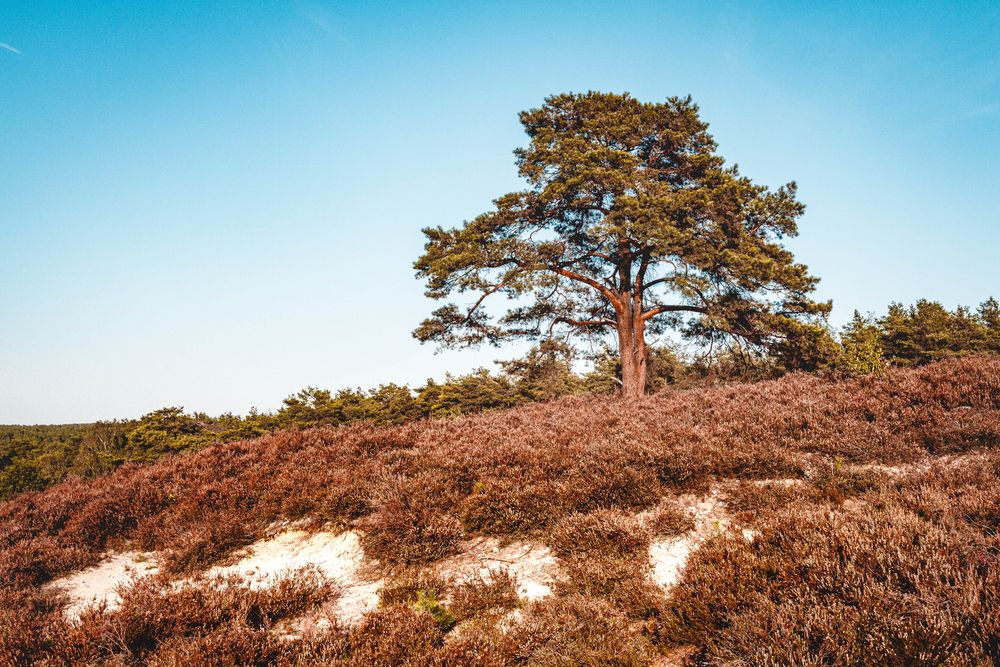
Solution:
(493, 290)
(573, 275)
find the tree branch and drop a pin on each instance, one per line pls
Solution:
(586, 323)
(492, 290)
(656, 282)
(641, 275)
(653, 312)
(573, 275)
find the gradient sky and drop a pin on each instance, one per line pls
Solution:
(214, 204)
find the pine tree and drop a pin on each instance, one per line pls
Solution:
(631, 224)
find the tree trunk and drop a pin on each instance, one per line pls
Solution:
(632, 353)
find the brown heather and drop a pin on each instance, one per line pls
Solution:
(496, 592)
(670, 518)
(853, 562)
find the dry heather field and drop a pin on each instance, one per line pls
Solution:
(799, 521)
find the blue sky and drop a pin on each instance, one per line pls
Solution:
(216, 204)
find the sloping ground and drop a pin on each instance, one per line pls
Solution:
(339, 558)
(794, 521)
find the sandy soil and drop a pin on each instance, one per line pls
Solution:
(338, 556)
(668, 555)
(100, 584)
(532, 563)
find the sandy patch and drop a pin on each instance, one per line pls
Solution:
(338, 556)
(922, 465)
(786, 483)
(668, 555)
(532, 563)
(101, 583)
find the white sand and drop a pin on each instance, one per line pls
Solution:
(531, 563)
(669, 555)
(100, 584)
(339, 557)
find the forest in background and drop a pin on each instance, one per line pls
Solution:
(35, 457)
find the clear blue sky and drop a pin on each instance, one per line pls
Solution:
(214, 204)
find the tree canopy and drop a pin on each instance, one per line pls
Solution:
(631, 225)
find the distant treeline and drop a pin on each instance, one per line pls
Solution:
(918, 334)
(34, 457)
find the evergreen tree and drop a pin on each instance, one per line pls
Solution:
(861, 341)
(631, 225)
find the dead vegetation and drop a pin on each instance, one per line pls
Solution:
(872, 506)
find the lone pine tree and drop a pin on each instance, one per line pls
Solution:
(632, 224)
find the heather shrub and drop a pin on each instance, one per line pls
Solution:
(756, 460)
(964, 493)
(752, 501)
(113, 512)
(29, 621)
(604, 554)
(231, 644)
(35, 561)
(405, 585)
(482, 646)
(829, 482)
(423, 590)
(622, 581)
(329, 488)
(669, 518)
(402, 533)
(864, 586)
(836, 483)
(194, 547)
(575, 630)
(494, 592)
(149, 612)
(510, 506)
(413, 522)
(600, 533)
(215, 622)
(395, 635)
(609, 477)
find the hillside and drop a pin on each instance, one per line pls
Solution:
(794, 521)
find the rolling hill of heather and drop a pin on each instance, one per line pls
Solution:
(802, 520)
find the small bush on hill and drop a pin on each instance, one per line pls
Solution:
(413, 522)
(574, 630)
(669, 518)
(495, 592)
(194, 624)
(604, 532)
(395, 635)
